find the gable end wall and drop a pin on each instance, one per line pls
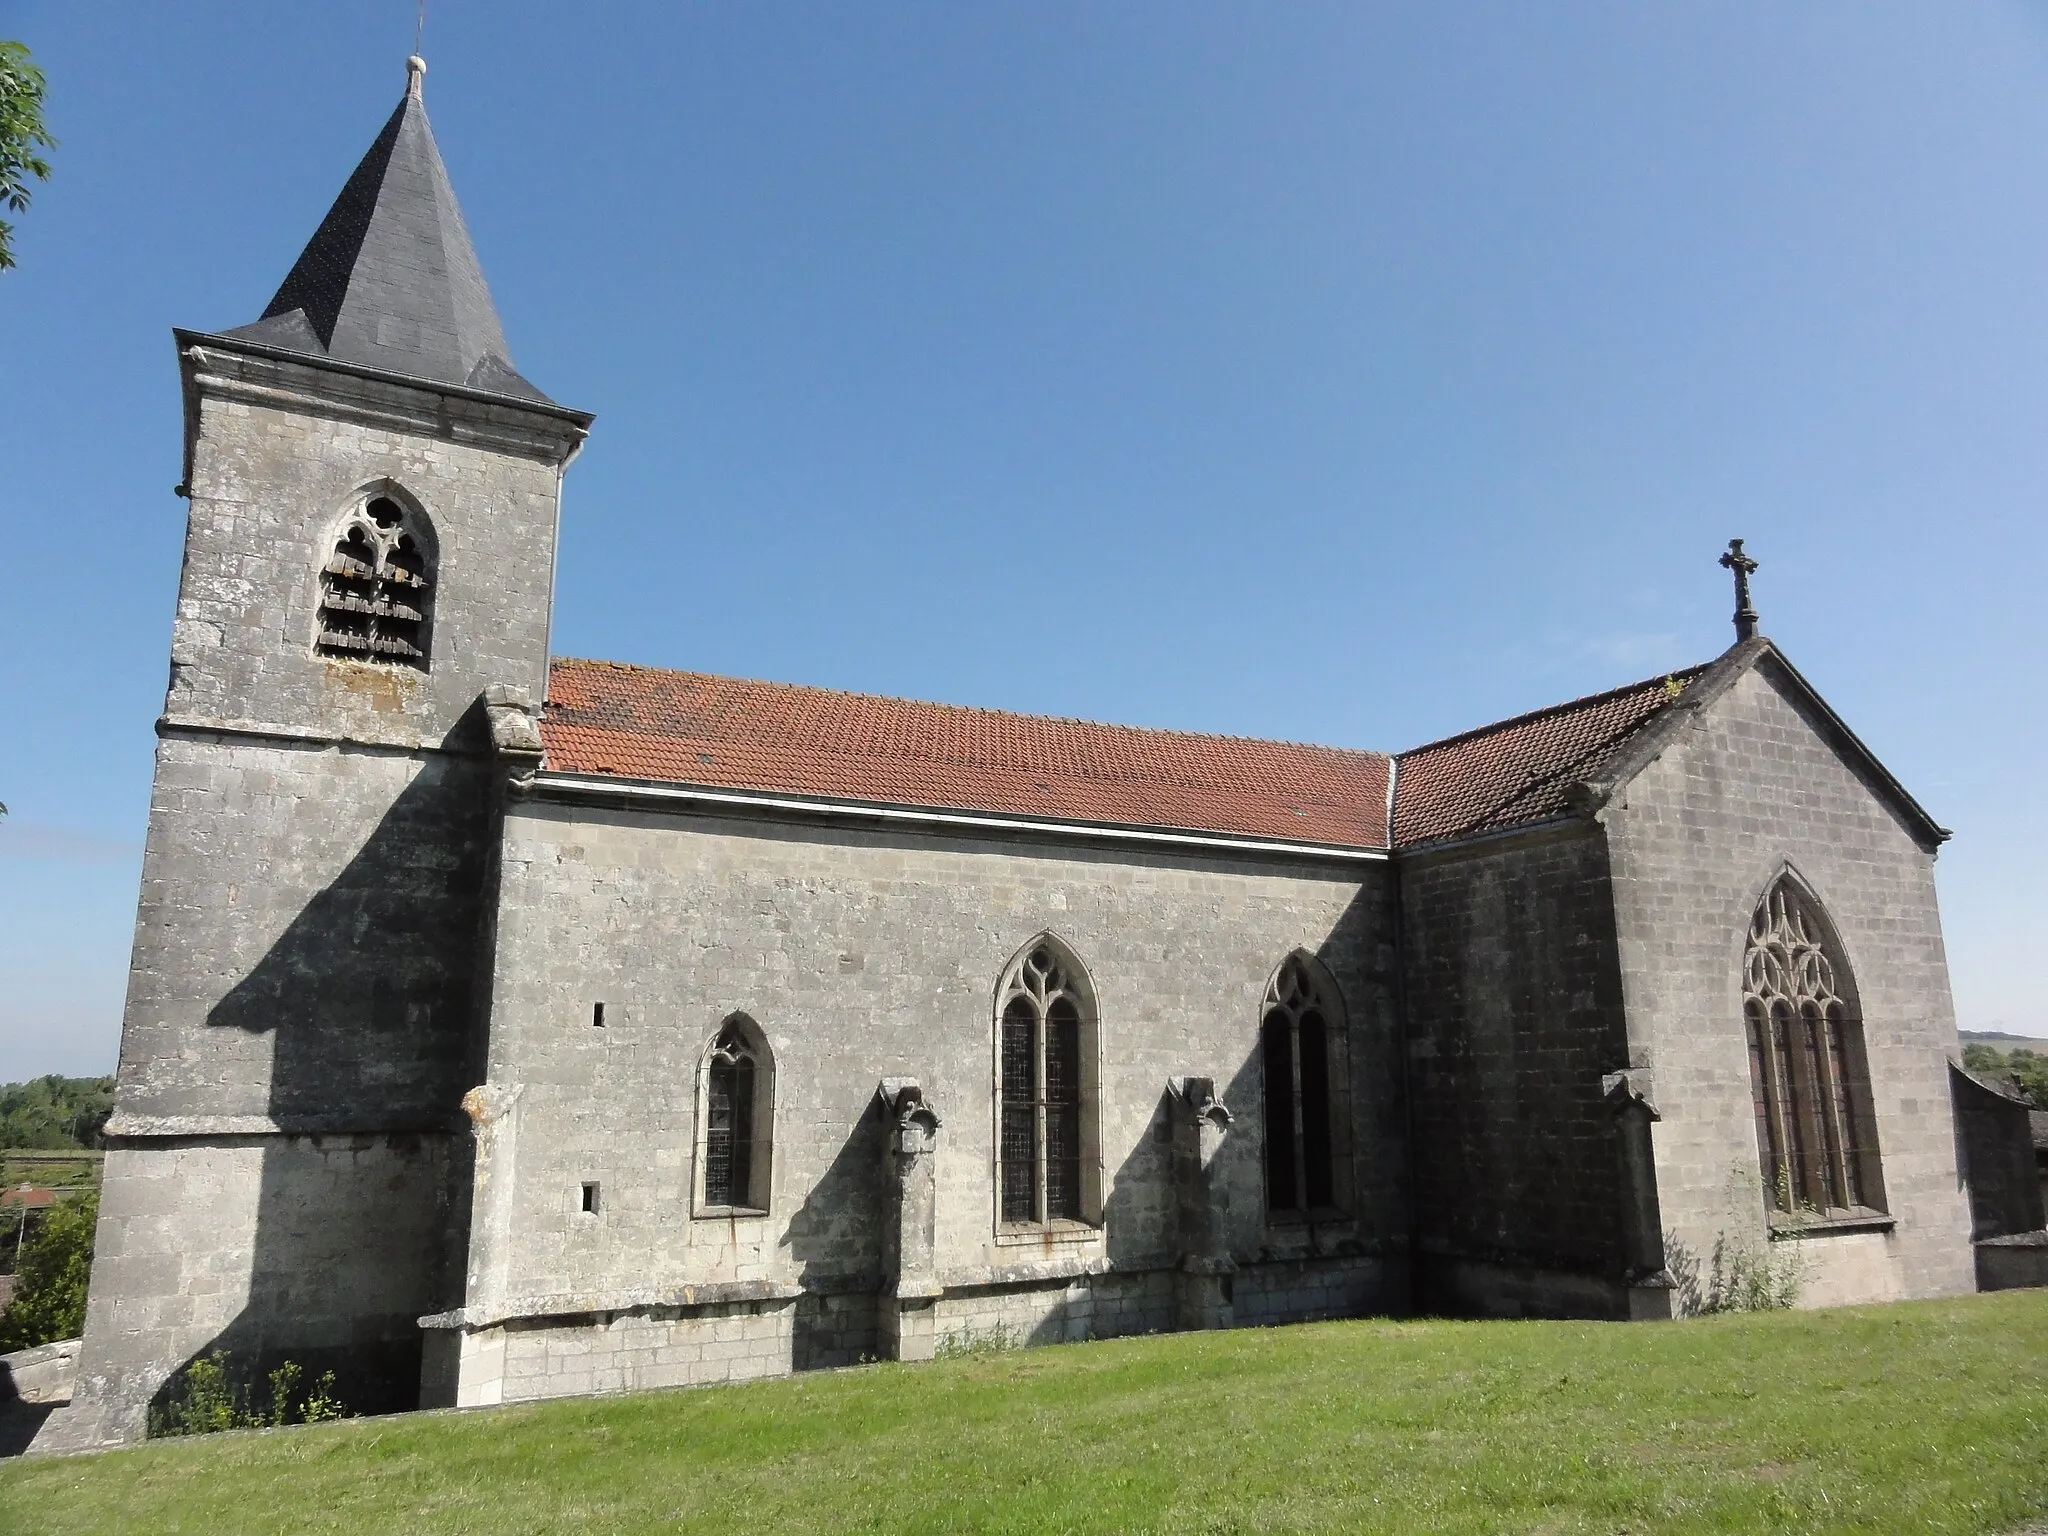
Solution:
(1700, 833)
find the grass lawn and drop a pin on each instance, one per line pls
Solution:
(1928, 1416)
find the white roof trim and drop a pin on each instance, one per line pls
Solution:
(685, 796)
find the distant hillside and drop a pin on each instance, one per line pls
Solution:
(55, 1114)
(1999, 1037)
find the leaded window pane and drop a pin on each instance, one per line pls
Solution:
(1297, 1048)
(1063, 1111)
(1317, 1165)
(1019, 1169)
(1282, 1192)
(1805, 1046)
(1041, 1162)
(721, 1137)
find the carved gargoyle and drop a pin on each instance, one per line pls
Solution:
(913, 1123)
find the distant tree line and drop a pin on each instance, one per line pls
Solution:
(55, 1114)
(2028, 1068)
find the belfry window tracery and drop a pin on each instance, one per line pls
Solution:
(1809, 1079)
(376, 588)
(1045, 1025)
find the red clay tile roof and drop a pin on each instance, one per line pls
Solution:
(686, 727)
(1516, 772)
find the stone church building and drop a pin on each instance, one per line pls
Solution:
(503, 1025)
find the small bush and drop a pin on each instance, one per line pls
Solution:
(209, 1398)
(50, 1276)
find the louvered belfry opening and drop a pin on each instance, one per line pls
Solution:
(729, 1121)
(376, 588)
(1809, 1080)
(1295, 1048)
(1041, 1169)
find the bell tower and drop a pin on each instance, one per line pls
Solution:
(373, 495)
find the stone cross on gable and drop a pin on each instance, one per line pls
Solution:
(1745, 615)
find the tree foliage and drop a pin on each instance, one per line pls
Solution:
(22, 134)
(2028, 1068)
(55, 1114)
(49, 1282)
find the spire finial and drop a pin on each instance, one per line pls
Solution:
(415, 72)
(1745, 616)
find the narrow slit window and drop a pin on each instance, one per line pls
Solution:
(590, 1199)
(597, 1015)
(376, 588)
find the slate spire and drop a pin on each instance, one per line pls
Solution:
(389, 279)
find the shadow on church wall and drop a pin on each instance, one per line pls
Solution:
(370, 999)
(836, 1239)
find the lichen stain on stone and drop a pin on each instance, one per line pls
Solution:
(387, 690)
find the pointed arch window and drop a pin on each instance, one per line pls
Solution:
(376, 587)
(1809, 1077)
(1301, 1049)
(735, 1119)
(1046, 1091)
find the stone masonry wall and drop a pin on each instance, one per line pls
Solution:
(308, 938)
(279, 454)
(1754, 786)
(864, 954)
(1514, 1013)
(312, 1248)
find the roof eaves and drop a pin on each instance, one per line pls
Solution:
(573, 784)
(242, 344)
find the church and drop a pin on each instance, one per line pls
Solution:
(503, 1025)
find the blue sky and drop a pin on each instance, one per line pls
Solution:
(1351, 373)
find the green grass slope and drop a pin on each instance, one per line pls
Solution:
(1928, 1416)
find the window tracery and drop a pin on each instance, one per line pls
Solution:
(735, 1112)
(1809, 1081)
(376, 587)
(1044, 1023)
(1297, 1046)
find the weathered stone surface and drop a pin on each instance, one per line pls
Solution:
(1514, 1015)
(303, 1006)
(1754, 787)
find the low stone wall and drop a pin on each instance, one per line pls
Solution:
(43, 1374)
(1461, 1287)
(1058, 1312)
(2012, 1263)
(648, 1347)
(1309, 1290)
(524, 1359)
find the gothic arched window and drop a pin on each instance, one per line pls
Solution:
(1046, 1069)
(735, 1118)
(1301, 1048)
(376, 589)
(1809, 1079)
